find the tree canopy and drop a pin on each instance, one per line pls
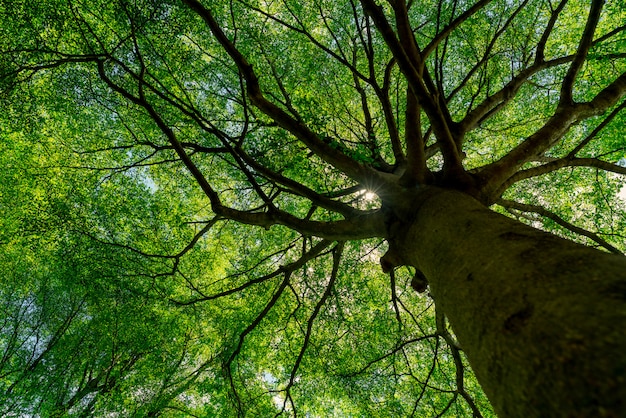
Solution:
(196, 195)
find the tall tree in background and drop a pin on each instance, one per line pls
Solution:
(196, 196)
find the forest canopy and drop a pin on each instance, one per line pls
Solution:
(202, 203)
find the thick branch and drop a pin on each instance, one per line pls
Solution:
(336, 158)
(367, 225)
(541, 46)
(495, 174)
(390, 120)
(412, 70)
(497, 100)
(416, 158)
(581, 53)
(562, 163)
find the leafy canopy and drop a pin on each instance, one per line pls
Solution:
(194, 194)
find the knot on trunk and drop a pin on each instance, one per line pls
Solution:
(390, 260)
(419, 282)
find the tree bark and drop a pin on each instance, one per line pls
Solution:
(541, 319)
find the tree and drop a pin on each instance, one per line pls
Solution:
(219, 179)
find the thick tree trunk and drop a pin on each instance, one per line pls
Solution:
(541, 319)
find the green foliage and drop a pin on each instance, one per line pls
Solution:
(125, 292)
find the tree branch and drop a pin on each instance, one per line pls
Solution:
(495, 174)
(509, 204)
(597, 129)
(496, 101)
(581, 53)
(562, 163)
(541, 46)
(432, 45)
(333, 156)
(364, 225)
(455, 349)
(412, 69)
(337, 252)
(416, 170)
(268, 307)
(289, 268)
(487, 55)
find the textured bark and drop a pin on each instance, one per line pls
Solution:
(541, 319)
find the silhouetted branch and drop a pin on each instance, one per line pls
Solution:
(539, 210)
(565, 116)
(443, 34)
(563, 163)
(326, 152)
(581, 52)
(314, 252)
(337, 252)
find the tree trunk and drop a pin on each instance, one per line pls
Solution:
(541, 319)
